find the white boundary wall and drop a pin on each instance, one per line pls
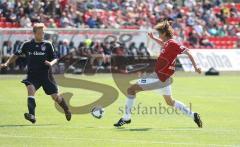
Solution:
(221, 59)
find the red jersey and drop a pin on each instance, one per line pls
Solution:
(165, 66)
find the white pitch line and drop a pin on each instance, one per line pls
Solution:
(113, 140)
(136, 127)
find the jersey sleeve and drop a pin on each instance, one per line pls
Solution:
(22, 50)
(182, 49)
(177, 48)
(51, 52)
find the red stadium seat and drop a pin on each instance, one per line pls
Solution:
(231, 45)
(216, 10)
(229, 5)
(224, 42)
(235, 38)
(212, 39)
(227, 38)
(16, 25)
(3, 19)
(9, 25)
(233, 20)
(238, 6)
(2, 25)
(217, 40)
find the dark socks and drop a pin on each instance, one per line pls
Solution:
(31, 105)
(63, 104)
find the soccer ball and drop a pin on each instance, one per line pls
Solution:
(97, 112)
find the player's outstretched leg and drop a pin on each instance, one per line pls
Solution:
(62, 103)
(184, 109)
(126, 119)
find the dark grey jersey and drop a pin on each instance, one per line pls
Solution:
(36, 53)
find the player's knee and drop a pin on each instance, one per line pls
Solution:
(31, 91)
(131, 91)
(56, 98)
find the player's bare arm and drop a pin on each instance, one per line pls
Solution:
(158, 40)
(51, 63)
(9, 61)
(197, 69)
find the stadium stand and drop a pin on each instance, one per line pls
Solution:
(198, 24)
(211, 20)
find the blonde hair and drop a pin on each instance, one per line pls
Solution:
(37, 26)
(165, 27)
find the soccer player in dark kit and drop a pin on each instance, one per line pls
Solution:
(41, 56)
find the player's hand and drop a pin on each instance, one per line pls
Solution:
(3, 65)
(48, 63)
(150, 34)
(158, 40)
(198, 70)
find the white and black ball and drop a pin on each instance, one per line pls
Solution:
(97, 112)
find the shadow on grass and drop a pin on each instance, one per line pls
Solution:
(160, 129)
(182, 128)
(134, 129)
(12, 126)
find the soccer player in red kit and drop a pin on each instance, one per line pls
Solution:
(161, 79)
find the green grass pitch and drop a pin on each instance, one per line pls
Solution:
(217, 99)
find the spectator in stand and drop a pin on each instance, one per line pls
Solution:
(25, 22)
(213, 30)
(51, 24)
(193, 39)
(63, 48)
(98, 54)
(92, 22)
(6, 50)
(143, 50)
(78, 19)
(108, 53)
(65, 21)
(21, 61)
(82, 49)
(133, 51)
(11, 16)
(72, 46)
(205, 43)
(119, 49)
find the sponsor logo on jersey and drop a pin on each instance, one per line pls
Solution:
(35, 53)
